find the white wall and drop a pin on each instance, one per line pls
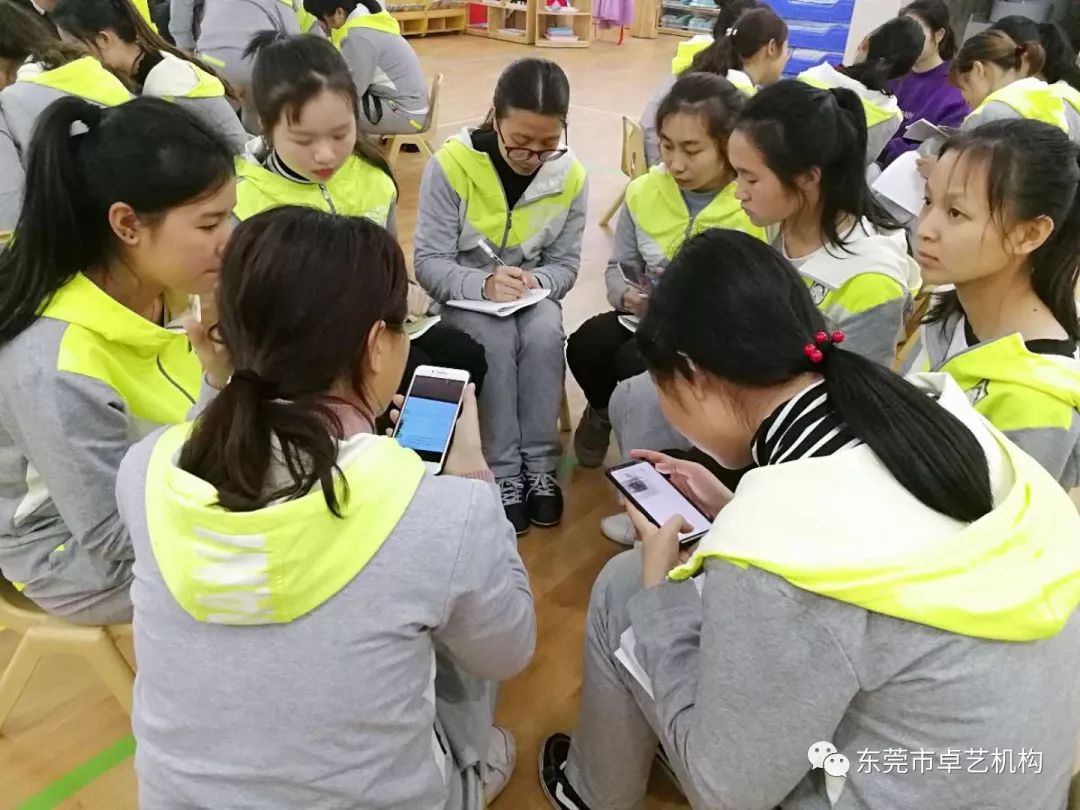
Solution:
(868, 15)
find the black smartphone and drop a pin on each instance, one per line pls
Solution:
(657, 498)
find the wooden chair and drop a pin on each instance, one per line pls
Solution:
(419, 139)
(43, 634)
(565, 423)
(634, 162)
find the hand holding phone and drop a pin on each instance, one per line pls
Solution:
(657, 499)
(429, 413)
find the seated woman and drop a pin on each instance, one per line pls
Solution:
(727, 12)
(124, 206)
(693, 191)
(999, 79)
(889, 53)
(38, 70)
(946, 573)
(1000, 228)
(1059, 68)
(384, 67)
(116, 35)
(749, 53)
(218, 31)
(798, 152)
(502, 211)
(312, 154)
(926, 94)
(288, 556)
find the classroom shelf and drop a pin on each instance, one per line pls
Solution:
(563, 14)
(692, 9)
(677, 32)
(420, 22)
(500, 16)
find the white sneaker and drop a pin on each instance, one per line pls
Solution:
(619, 529)
(501, 761)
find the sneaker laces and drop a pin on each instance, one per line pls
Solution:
(543, 484)
(512, 490)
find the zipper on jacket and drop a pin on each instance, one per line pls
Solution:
(326, 196)
(174, 383)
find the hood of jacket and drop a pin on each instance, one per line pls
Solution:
(551, 179)
(877, 105)
(84, 77)
(1012, 575)
(866, 251)
(275, 564)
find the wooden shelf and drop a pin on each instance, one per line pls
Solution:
(570, 43)
(536, 24)
(421, 22)
(691, 9)
(563, 14)
(678, 32)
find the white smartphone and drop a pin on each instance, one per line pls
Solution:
(427, 419)
(657, 498)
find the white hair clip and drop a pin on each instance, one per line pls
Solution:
(731, 31)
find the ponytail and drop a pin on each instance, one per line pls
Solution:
(705, 317)
(995, 47)
(84, 19)
(291, 70)
(1060, 56)
(296, 309)
(1032, 171)
(148, 153)
(893, 49)
(751, 32)
(799, 128)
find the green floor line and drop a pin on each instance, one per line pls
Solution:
(82, 775)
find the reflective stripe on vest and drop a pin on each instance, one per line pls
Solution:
(377, 22)
(1032, 99)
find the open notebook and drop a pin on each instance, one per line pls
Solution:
(504, 309)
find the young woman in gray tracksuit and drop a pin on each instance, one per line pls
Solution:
(221, 33)
(117, 35)
(384, 66)
(111, 243)
(509, 190)
(47, 70)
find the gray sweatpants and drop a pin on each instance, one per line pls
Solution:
(637, 420)
(617, 730)
(522, 394)
(236, 70)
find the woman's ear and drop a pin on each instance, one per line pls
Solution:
(808, 181)
(125, 223)
(1026, 237)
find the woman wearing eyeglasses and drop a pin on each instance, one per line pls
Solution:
(502, 211)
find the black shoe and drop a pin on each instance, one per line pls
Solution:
(553, 755)
(545, 501)
(512, 491)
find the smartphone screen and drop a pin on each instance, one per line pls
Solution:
(428, 416)
(643, 278)
(657, 498)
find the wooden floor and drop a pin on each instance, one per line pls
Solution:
(67, 718)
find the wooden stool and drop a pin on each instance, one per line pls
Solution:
(419, 139)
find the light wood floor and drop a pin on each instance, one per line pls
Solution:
(66, 716)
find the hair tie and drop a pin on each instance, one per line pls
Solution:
(825, 341)
(264, 388)
(731, 31)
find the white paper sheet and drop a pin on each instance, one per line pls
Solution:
(505, 309)
(902, 184)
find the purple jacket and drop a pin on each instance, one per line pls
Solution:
(926, 95)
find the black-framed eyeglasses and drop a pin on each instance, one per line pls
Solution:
(523, 153)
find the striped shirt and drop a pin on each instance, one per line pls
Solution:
(806, 426)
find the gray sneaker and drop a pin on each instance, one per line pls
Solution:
(592, 437)
(618, 529)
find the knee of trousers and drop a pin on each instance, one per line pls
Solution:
(619, 580)
(541, 327)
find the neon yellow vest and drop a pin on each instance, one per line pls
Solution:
(208, 86)
(377, 22)
(1067, 93)
(875, 114)
(663, 221)
(153, 369)
(262, 567)
(472, 175)
(86, 78)
(686, 52)
(357, 189)
(1033, 99)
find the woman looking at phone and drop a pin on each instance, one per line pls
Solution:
(692, 191)
(946, 573)
(287, 556)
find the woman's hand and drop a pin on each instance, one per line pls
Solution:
(691, 479)
(212, 354)
(660, 551)
(508, 284)
(634, 301)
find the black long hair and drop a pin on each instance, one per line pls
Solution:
(732, 307)
(321, 9)
(799, 128)
(1059, 57)
(995, 47)
(23, 35)
(291, 70)
(746, 36)
(1032, 170)
(712, 97)
(935, 16)
(148, 153)
(299, 293)
(85, 19)
(894, 48)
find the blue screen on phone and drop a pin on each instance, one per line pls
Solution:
(428, 416)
